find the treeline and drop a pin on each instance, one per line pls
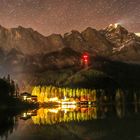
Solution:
(8, 89)
(45, 92)
(126, 75)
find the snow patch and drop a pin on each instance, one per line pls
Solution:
(137, 34)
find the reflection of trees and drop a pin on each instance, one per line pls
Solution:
(7, 123)
(125, 101)
(58, 115)
(120, 103)
(120, 110)
(129, 98)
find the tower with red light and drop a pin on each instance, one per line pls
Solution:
(85, 60)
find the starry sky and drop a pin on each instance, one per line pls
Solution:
(60, 16)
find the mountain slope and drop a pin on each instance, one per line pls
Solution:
(126, 44)
(113, 42)
(26, 40)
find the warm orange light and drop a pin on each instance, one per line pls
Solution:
(65, 95)
(53, 110)
(59, 115)
(53, 99)
(68, 103)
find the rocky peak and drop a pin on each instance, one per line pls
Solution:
(56, 40)
(75, 41)
(96, 41)
(2, 28)
(90, 30)
(26, 40)
(106, 42)
(116, 28)
(117, 34)
(73, 33)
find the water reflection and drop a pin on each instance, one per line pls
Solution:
(64, 114)
(106, 117)
(73, 113)
(122, 103)
(28, 114)
(8, 122)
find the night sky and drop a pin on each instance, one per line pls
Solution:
(60, 16)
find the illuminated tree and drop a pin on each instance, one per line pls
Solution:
(45, 92)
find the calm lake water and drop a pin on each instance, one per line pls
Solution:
(115, 121)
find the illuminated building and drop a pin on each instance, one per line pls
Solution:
(28, 97)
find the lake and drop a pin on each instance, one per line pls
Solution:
(105, 121)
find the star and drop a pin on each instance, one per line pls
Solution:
(60, 16)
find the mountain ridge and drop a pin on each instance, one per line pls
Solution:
(52, 59)
(113, 42)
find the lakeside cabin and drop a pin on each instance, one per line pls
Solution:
(28, 97)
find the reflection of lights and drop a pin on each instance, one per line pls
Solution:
(89, 103)
(65, 97)
(60, 114)
(65, 111)
(68, 106)
(24, 114)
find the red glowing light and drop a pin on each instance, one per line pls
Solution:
(85, 58)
